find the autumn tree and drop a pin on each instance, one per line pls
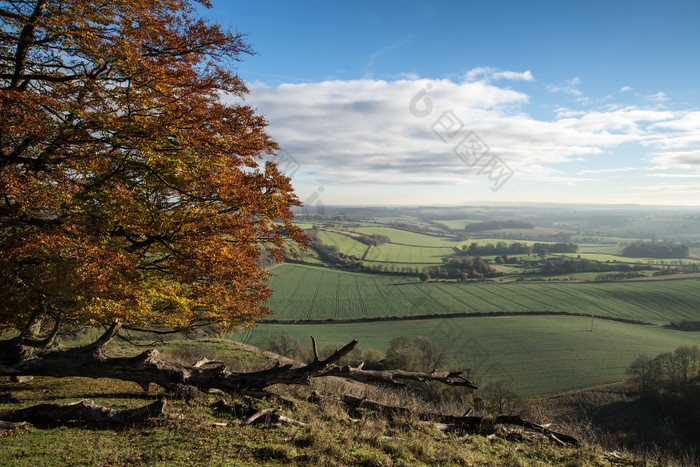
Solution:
(134, 192)
(132, 174)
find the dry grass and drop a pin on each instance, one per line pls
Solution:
(188, 437)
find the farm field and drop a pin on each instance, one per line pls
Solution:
(393, 253)
(345, 244)
(538, 337)
(457, 224)
(600, 249)
(404, 237)
(602, 257)
(534, 354)
(305, 292)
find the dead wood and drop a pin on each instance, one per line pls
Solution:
(7, 426)
(271, 415)
(448, 422)
(22, 357)
(19, 357)
(398, 377)
(83, 411)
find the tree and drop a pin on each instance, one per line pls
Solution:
(134, 192)
(131, 188)
(414, 354)
(542, 252)
(424, 277)
(645, 372)
(500, 398)
(285, 344)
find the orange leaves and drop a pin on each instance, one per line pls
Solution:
(129, 188)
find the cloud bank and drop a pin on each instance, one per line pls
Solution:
(364, 131)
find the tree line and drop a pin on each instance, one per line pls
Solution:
(497, 225)
(656, 250)
(518, 248)
(669, 387)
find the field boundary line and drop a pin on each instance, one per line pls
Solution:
(475, 314)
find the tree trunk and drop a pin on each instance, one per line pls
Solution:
(82, 411)
(21, 357)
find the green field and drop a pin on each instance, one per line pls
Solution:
(408, 238)
(345, 244)
(393, 253)
(302, 292)
(457, 224)
(535, 354)
(539, 337)
(600, 249)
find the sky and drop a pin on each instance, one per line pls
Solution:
(460, 102)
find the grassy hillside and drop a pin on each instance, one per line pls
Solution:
(534, 354)
(189, 436)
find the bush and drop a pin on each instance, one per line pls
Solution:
(286, 345)
(414, 354)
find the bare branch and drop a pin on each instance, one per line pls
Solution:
(398, 377)
(107, 337)
(313, 341)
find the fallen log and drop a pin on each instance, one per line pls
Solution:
(21, 358)
(448, 422)
(83, 411)
(398, 377)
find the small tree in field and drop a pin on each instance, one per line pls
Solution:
(130, 189)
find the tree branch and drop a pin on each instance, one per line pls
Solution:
(25, 41)
(398, 377)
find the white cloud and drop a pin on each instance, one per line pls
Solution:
(570, 87)
(362, 131)
(658, 98)
(488, 74)
(625, 89)
(678, 159)
(612, 171)
(513, 76)
(673, 175)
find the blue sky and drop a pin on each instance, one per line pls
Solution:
(453, 102)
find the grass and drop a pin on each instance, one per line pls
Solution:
(408, 238)
(392, 253)
(538, 353)
(305, 292)
(535, 354)
(457, 224)
(187, 435)
(345, 244)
